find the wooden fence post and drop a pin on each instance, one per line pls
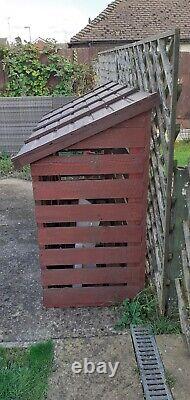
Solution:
(183, 280)
(152, 65)
(176, 237)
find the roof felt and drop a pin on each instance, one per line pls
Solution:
(133, 20)
(90, 114)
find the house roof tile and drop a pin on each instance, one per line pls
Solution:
(133, 20)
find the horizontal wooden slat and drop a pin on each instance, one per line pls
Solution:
(92, 212)
(111, 275)
(88, 296)
(89, 164)
(115, 138)
(97, 255)
(101, 234)
(108, 188)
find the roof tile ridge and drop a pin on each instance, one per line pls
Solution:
(100, 17)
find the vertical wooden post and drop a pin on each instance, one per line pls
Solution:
(176, 237)
(152, 64)
(166, 278)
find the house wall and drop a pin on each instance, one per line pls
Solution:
(88, 54)
(185, 47)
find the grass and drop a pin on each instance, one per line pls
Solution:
(143, 310)
(7, 168)
(24, 372)
(182, 152)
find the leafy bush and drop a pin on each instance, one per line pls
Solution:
(7, 168)
(6, 165)
(31, 72)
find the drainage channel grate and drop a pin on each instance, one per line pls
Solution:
(150, 365)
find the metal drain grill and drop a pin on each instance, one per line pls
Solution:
(150, 365)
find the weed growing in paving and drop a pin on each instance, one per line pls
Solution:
(24, 373)
(170, 379)
(143, 310)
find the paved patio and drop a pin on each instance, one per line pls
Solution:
(23, 318)
(87, 332)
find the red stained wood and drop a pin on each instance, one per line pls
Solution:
(97, 255)
(88, 296)
(91, 189)
(115, 137)
(92, 212)
(114, 126)
(112, 275)
(85, 128)
(140, 121)
(101, 234)
(89, 164)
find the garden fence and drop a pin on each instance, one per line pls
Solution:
(152, 65)
(19, 115)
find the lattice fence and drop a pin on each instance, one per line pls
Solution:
(152, 65)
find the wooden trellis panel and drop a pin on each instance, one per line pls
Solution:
(152, 65)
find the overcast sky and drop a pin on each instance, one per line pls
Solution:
(58, 19)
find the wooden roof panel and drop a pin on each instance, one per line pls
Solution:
(81, 99)
(102, 112)
(73, 114)
(108, 95)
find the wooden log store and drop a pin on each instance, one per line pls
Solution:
(89, 164)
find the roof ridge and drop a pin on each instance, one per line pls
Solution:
(133, 20)
(100, 17)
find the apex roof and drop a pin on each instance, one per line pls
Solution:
(100, 109)
(133, 20)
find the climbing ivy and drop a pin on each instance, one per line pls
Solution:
(31, 72)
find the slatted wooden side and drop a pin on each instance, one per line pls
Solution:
(152, 65)
(91, 214)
